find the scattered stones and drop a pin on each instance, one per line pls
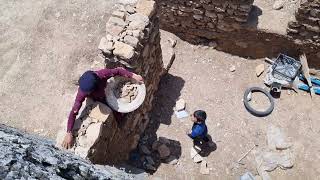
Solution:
(172, 160)
(180, 105)
(133, 42)
(268, 161)
(150, 167)
(197, 158)
(212, 44)
(155, 145)
(58, 14)
(164, 151)
(278, 154)
(276, 139)
(150, 160)
(164, 140)
(232, 68)
(193, 152)
(259, 69)
(123, 50)
(173, 42)
(145, 149)
(204, 168)
(126, 92)
(278, 4)
(37, 158)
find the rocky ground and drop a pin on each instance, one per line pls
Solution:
(202, 77)
(25, 156)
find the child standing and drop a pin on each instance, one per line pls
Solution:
(199, 129)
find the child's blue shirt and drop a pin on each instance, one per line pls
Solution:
(199, 130)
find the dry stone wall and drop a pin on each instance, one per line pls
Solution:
(203, 18)
(223, 25)
(132, 41)
(306, 28)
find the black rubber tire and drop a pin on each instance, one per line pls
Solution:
(253, 111)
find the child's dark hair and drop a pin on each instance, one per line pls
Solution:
(200, 115)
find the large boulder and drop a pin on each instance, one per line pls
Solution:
(24, 156)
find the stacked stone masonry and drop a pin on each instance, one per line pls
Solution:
(135, 36)
(23, 156)
(132, 41)
(225, 23)
(206, 18)
(307, 25)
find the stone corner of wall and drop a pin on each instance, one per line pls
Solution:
(127, 32)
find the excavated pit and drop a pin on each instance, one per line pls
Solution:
(243, 28)
(133, 41)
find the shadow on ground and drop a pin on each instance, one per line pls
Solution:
(168, 93)
(206, 147)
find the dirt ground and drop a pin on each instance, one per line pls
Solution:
(201, 76)
(44, 46)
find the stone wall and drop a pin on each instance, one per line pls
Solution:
(23, 156)
(203, 18)
(306, 28)
(223, 25)
(132, 41)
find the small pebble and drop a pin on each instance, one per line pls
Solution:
(232, 68)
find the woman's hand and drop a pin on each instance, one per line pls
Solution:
(68, 141)
(138, 78)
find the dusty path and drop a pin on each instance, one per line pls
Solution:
(202, 77)
(44, 45)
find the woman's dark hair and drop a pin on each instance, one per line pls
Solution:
(200, 115)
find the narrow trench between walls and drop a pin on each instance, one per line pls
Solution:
(233, 27)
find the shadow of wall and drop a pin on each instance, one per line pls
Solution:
(227, 23)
